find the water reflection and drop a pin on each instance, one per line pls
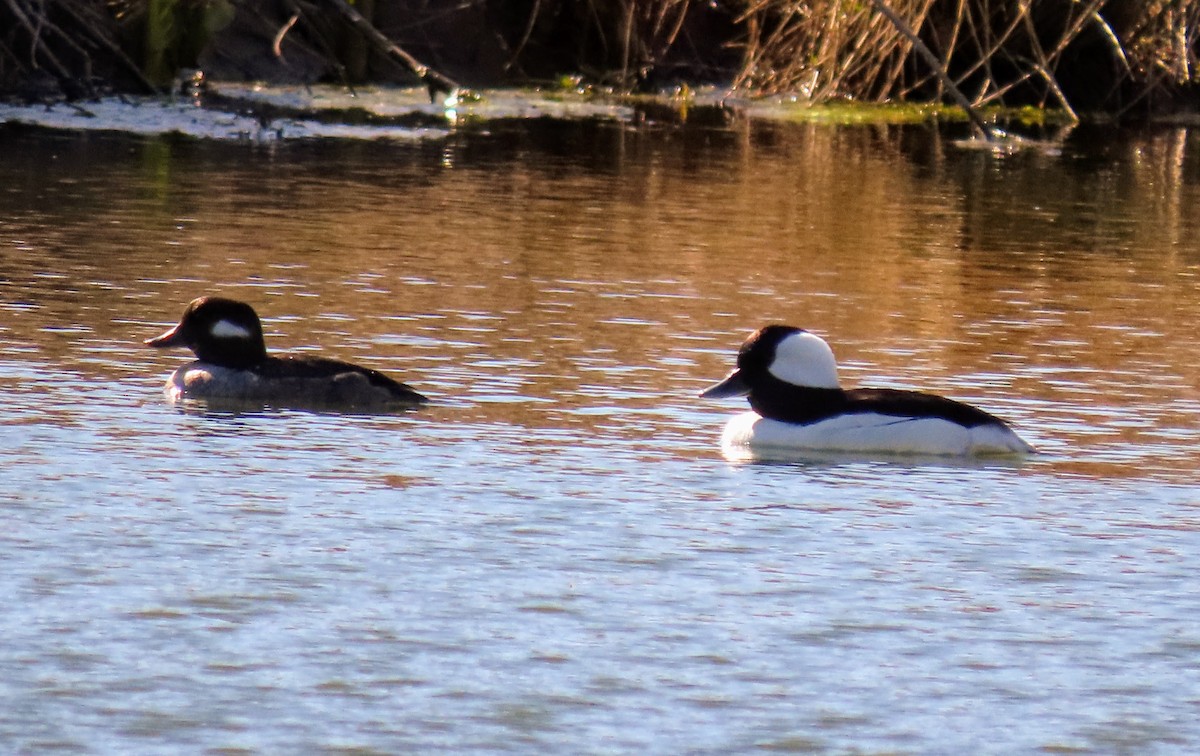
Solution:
(549, 266)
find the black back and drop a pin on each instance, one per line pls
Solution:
(779, 400)
(303, 367)
(796, 404)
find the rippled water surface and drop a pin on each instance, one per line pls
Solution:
(554, 555)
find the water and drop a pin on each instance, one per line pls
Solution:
(554, 555)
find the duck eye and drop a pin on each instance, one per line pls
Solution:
(224, 329)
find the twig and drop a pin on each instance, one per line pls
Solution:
(987, 49)
(892, 79)
(533, 16)
(277, 43)
(306, 10)
(973, 115)
(35, 42)
(627, 42)
(433, 80)
(1042, 63)
(97, 32)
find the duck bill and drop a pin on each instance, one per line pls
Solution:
(733, 385)
(171, 338)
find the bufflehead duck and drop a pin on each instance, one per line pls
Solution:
(790, 377)
(232, 364)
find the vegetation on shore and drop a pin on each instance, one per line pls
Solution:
(1124, 58)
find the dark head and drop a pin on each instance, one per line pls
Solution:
(779, 353)
(219, 331)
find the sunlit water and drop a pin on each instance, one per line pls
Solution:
(554, 555)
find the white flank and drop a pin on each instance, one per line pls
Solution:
(872, 433)
(804, 359)
(227, 329)
(200, 380)
(994, 439)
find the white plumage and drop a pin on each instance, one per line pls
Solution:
(870, 433)
(790, 378)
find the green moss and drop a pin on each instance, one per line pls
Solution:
(849, 113)
(853, 112)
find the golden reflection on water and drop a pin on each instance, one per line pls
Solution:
(566, 274)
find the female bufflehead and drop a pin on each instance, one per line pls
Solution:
(232, 364)
(790, 377)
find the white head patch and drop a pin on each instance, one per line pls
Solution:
(804, 359)
(227, 329)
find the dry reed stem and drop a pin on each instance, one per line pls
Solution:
(834, 49)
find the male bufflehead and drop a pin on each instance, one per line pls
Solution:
(232, 364)
(790, 377)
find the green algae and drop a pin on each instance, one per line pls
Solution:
(845, 113)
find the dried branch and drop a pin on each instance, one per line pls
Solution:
(525, 36)
(277, 43)
(96, 30)
(36, 46)
(934, 62)
(434, 81)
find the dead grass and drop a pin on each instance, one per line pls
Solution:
(997, 51)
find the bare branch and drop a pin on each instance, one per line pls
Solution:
(433, 80)
(277, 43)
(973, 115)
